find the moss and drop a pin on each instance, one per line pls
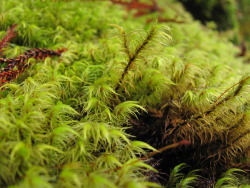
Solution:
(80, 119)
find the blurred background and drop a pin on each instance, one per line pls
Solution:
(244, 19)
(231, 18)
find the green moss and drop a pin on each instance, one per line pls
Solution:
(65, 121)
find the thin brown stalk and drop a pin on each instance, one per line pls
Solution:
(8, 73)
(133, 57)
(151, 154)
(135, 4)
(236, 139)
(171, 146)
(10, 35)
(240, 82)
(170, 20)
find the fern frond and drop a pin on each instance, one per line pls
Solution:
(178, 179)
(175, 175)
(230, 178)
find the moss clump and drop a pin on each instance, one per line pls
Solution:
(71, 121)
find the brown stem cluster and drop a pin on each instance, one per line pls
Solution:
(10, 35)
(133, 57)
(142, 9)
(17, 65)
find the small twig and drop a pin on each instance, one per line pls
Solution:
(151, 154)
(243, 50)
(8, 73)
(173, 20)
(236, 139)
(133, 57)
(242, 81)
(142, 8)
(4, 42)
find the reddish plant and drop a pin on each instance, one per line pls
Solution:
(10, 35)
(142, 8)
(17, 65)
